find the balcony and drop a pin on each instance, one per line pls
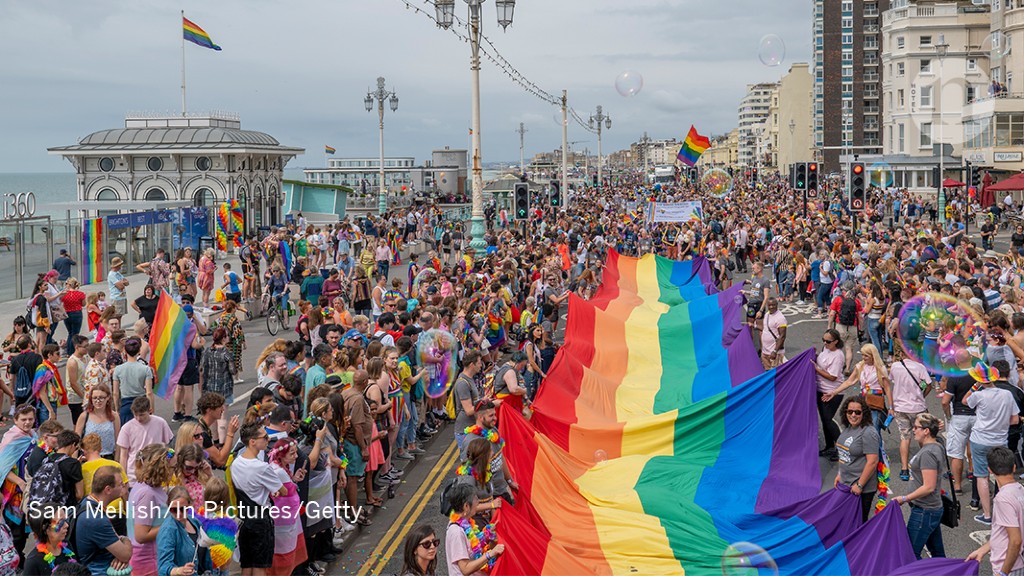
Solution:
(871, 109)
(871, 126)
(871, 77)
(872, 142)
(871, 29)
(871, 60)
(872, 94)
(872, 45)
(869, 12)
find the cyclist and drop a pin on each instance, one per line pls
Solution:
(277, 286)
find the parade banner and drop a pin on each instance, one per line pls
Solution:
(659, 434)
(692, 211)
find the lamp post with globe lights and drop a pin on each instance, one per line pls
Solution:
(596, 120)
(445, 18)
(381, 95)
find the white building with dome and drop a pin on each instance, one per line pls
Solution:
(200, 159)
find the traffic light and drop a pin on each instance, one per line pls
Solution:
(858, 197)
(812, 179)
(556, 194)
(800, 181)
(974, 176)
(692, 174)
(522, 200)
(753, 175)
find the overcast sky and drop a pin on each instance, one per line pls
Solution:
(299, 70)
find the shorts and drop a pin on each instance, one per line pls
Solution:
(256, 542)
(121, 306)
(753, 307)
(958, 434)
(905, 421)
(235, 297)
(190, 375)
(356, 465)
(979, 457)
(848, 334)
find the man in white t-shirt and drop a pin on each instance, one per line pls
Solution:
(995, 412)
(141, 431)
(1007, 517)
(910, 384)
(773, 337)
(255, 482)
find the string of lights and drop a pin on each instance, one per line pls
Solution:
(494, 56)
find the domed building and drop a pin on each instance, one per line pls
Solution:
(170, 160)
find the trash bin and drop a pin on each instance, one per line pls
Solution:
(207, 242)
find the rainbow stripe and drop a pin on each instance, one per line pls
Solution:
(286, 257)
(196, 35)
(237, 222)
(169, 340)
(329, 150)
(660, 436)
(92, 251)
(693, 147)
(223, 226)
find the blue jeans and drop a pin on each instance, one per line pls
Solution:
(407, 429)
(383, 267)
(42, 413)
(821, 296)
(74, 325)
(875, 332)
(125, 411)
(924, 528)
(460, 440)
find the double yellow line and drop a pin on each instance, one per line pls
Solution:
(396, 534)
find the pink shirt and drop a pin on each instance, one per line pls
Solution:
(907, 396)
(147, 506)
(1007, 511)
(135, 436)
(831, 361)
(869, 379)
(773, 323)
(456, 547)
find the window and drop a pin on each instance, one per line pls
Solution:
(926, 96)
(155, 164)
(900, 69)
(155, 194)
(847, 56)
(847, 88)
(925, 41)
(106, 164)
(902, 130)
(204, 197)
(970, 94)
(847, 72)
(926, 134)
(203, 163)
(926, 66)
(847, 6)
(847, 23)
(847, 39)
(901, 42)
(972, 64)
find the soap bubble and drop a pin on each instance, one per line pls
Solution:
(629, 83)
(557, 117)
(747, 559)
(738, 299)
(881, 175)
(945, 334)
(600, 456)
(772, 50)
(995, 46)
(435, 348)
(717, 182)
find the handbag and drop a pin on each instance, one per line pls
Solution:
(876, 402)
(950, 505)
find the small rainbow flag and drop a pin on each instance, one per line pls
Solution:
(169, 340)
(693, 147)
(196, 35)
(92, 251)
(329, 150)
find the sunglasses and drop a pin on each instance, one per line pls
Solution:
(854, 412)
(428, 544)
(197, 435)
(828, 341)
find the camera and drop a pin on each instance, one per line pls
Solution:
(308, 428)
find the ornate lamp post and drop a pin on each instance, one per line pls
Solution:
(599, 119)
(381, 95)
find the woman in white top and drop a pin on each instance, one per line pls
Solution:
(911, 383)
(870, 373)
(829, 367)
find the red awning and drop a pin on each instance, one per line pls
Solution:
(1013, 183)
(950, 183)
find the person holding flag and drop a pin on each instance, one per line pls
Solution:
(47, 387)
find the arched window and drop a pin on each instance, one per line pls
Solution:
(155, 194)
(106, 194)
(204, 197)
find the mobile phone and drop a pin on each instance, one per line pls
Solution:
(888, 420)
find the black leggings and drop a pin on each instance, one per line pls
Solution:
(867, 500)
(827, 411)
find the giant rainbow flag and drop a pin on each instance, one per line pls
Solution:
(657, 441)
(169, 340)
(92, 251)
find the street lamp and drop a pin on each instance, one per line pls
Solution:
(381, 95)
(598, 119)
(940, 50)
(445, 16)
(792, 129)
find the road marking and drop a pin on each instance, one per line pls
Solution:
(244, 397)
(394, 536)
(981, 536)
(798, 322)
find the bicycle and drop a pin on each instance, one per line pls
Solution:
(277, 316)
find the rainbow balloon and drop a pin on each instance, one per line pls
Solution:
(659, 434)
(237, 223)
(223, 226)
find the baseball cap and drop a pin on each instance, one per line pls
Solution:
(352, 334)
(411, 330)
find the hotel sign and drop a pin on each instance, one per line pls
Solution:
(1007, 156)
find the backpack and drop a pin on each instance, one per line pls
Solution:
(446, 238)
(48, 482)
(29, 313)
(444, 499)
(848, 311)
(22, 383)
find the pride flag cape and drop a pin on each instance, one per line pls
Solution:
(169, 340)
(693, 147)
(286, 257)
(92, 251)
(657, 440)
(196, 35)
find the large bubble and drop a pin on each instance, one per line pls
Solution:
(717, 182)
(435, 349)
(995, 46)
(772, 50)
(748, 559)
(881, 175)
(945, 334)
(629, 83)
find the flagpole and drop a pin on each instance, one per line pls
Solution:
(183, 109)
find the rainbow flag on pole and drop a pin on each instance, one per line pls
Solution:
(693, 147)
(329, 150)
(169, 340)
(92, 251)
(196, 35)
(659, 434)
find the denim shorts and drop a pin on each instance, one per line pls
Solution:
(979, 456)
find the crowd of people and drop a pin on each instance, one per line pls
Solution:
(380, 361)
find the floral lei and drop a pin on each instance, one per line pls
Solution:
(42, 446)
(481, 540)
(48, 556)
(491, 434)
(466, 470)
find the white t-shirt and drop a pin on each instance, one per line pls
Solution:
(993, 407)
(256, 478)
(907, 396)
(773, 324)
(831, 361)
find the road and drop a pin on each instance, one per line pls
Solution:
(378, 549)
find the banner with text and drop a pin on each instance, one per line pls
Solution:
(677, 211)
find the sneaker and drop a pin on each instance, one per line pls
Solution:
(974, 505)
(404, 456)
(982, 519)
(421, 437)
(905, 475)
(312, 569)
(394, 473)
(416, 451)
(178, 417)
